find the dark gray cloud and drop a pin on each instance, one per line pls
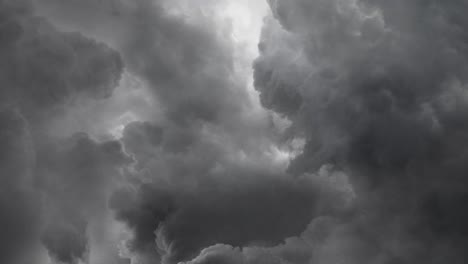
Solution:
(68, 170)
(248, 209)
(199, 192)
(187, 61)
(200, 174)
(189, 68)
(50, 186)
(376, 87)
(43, 69)
(19, 212)
(325, 240)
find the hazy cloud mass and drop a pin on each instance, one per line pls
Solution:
(233, 132)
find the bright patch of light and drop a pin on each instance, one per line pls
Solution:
(246, 19)
(119, 124)
(280, 156)
(242, 21)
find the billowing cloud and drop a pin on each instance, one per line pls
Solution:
(44, 186)
(248, 209)
(45, 69)
(371, 86)
(69, 170)
(342, 142)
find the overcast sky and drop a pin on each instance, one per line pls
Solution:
(233, 131)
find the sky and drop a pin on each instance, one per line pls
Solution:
(233, 131)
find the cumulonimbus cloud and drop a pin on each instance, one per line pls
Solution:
(375, 89)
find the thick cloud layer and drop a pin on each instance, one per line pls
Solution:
(202, 175)
(180, 163)
(17, 218)
(44, 71)
(250, 209)
(376, 87)
(68, 170)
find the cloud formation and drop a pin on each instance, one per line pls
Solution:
(130, 132)
(44, 71)
(376, 87)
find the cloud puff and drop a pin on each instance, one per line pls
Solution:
(45, 69)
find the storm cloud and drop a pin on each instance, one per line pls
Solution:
(376, 88)
(148, 132)
(43, 71)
